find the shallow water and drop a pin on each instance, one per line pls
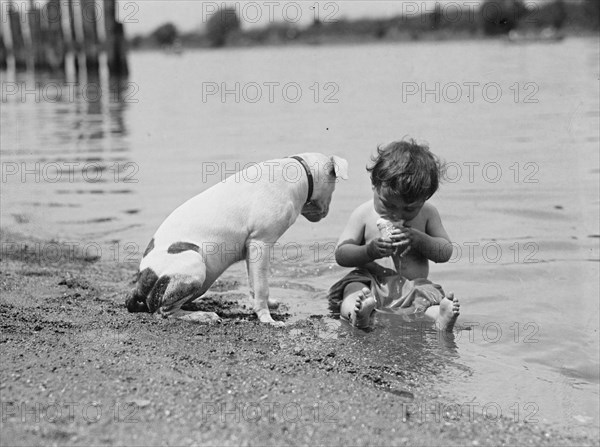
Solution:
(520, 202)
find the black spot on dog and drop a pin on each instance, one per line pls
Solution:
(179, 247)
(155, 297)
(136, 299)
(149, 248)
(146, 281)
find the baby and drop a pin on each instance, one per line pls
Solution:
(390, 239)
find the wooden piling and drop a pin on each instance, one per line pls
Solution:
(37, 41)
(114, 44)
(54, 42)
(19, 50)
(75, 36)
(90, 35)
(61, 31)
(3, 51)
(73, 32)
(120, 66)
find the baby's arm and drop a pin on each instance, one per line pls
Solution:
(434, 243)
(351, 250)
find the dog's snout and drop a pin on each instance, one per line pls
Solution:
(314, 212)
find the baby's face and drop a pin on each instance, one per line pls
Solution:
(393, 208)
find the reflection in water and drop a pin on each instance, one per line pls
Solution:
(400, 354)
(65, 147)
(419, 337)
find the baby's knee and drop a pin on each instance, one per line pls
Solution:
(353, 288)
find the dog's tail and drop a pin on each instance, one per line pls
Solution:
(136, 300)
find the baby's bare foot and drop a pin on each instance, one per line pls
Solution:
(365, 305)
(449, 312)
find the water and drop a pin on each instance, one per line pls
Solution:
(517, 124)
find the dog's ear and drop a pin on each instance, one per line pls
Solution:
(340, 167)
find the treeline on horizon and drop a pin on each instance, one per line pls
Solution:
(492, 18)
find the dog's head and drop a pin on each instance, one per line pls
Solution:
(326, 170)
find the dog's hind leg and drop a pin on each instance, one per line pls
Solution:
(173, 290)
(179, 290)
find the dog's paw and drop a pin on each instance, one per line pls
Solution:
(265, 317)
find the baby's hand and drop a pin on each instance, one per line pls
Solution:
(404, 238)
(380, 248)
(398, 237)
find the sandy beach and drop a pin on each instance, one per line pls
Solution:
(79, 370)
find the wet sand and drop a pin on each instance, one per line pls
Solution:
(78, 369)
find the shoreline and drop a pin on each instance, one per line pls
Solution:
(79, 369)
(358, 41)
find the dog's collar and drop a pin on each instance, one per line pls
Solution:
(311, 182)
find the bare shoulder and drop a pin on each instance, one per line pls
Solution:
(355, 227)
(361, 212)
(433, 222)
(429, 211)
(364, 210)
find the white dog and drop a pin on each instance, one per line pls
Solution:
(236, 219)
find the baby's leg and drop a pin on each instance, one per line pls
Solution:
(358, 305)
(446, 313)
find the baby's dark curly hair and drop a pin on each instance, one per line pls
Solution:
(406, 169)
